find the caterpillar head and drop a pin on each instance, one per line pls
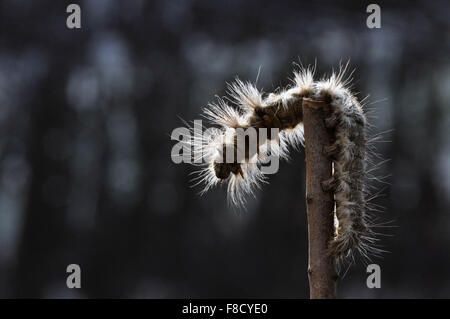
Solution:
(223, 170)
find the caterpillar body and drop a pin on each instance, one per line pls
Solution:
(283, 111)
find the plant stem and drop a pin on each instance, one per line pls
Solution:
(320, 203)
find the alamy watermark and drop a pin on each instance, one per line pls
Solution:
(196, 146)
(374, 279)
(74, 279)
(374, 19)
(73, 21)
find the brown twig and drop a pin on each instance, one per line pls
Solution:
(320, 204)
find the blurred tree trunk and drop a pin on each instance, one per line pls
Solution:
(43, 229)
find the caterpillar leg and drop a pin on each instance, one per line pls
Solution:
(331, 151)
(329, 184)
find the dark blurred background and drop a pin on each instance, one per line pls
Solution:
(86, 175)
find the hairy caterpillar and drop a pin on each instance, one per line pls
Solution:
(283, 111)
